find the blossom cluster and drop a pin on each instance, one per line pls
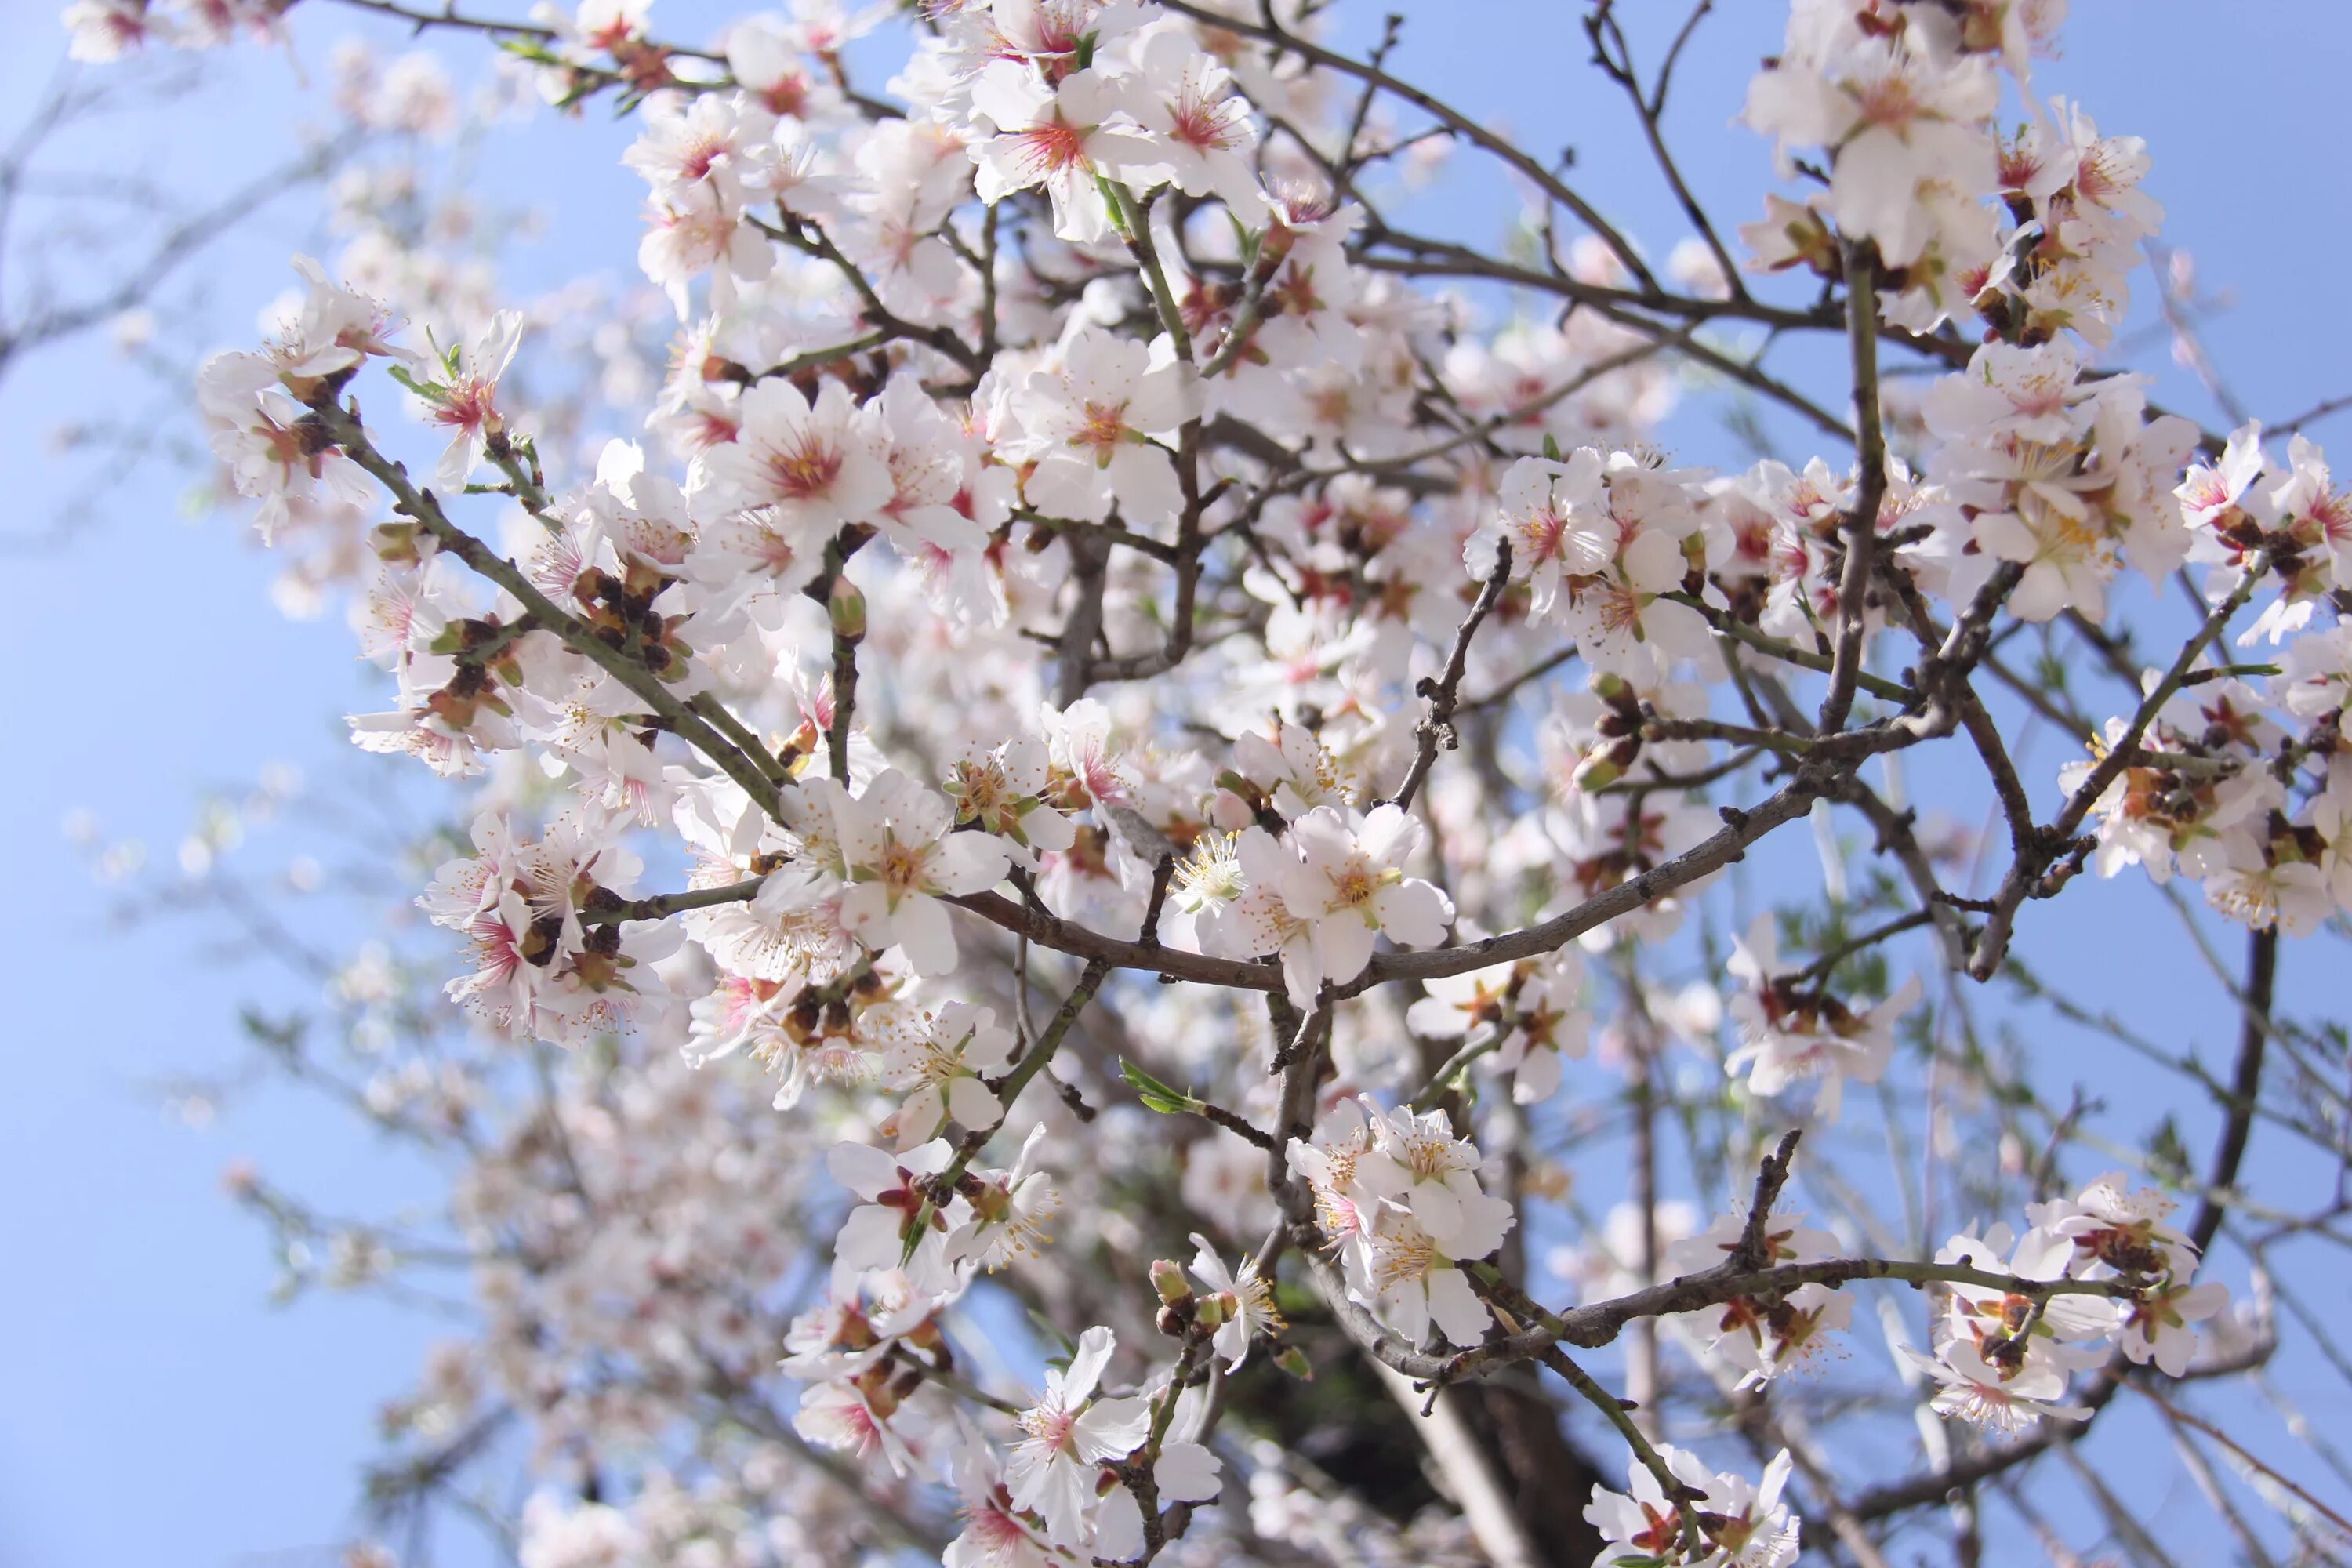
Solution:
(1221, 574)
(2003, 1358)
(1398, 1195)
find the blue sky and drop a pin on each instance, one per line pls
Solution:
(153, 1406)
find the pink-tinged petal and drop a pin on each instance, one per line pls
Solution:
(1010, 94)
(928, 1160)
(1437, 1018)
(1537, 1078)
(1263, 858)
(2040, 595)
(1406, 1309)
(1067, 485)
(457, 463)
(2005, 535)
(857, 827)
(920, 1112)
(1056, 1488)
(1485, 1221)
(871, 1237)
(1438, 1211)
(1321, 838)
(1207, 1266)
(1482, 552)
(1302, 971)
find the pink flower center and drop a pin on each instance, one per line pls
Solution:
(803, 470)
(1050, 1426)
(1052, 148)
(470, 404)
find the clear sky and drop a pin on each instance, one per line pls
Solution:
(154, 1408)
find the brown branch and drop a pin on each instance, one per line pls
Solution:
(1650, 111)
(2245, 1085)
(664, 904)
(1860, 522)
(1436, 727)
(2027, 873)
(1268, 31)
(343, 426)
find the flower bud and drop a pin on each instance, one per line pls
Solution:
(846, 607)
(1168, 1281)
(1292, 1360)
(1604, 766)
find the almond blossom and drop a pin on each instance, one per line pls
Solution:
(935, 783)
(1245, 1301)
(1064, 137)
(1746, 1526)
(943, 1067)
(1199, 129)
(893, 849)
(814, 466)
(1342, 879)
(1417, 1164)
(1790, 1032)
(1066, 1435)
(1097, 426)
(462, 396)
(2000, 1396)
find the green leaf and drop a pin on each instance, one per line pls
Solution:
(530, 49)
(1155, 1095)
(1551, 447)
(1246, 241)
(425, 389)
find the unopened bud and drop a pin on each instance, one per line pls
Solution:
(846, 607)
(1292, 1360)
(1604, 766)
(1211, 1310)
(1168, 1281)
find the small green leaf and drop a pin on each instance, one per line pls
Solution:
(1246, 241)
(425, 389)
(1155, 1095)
